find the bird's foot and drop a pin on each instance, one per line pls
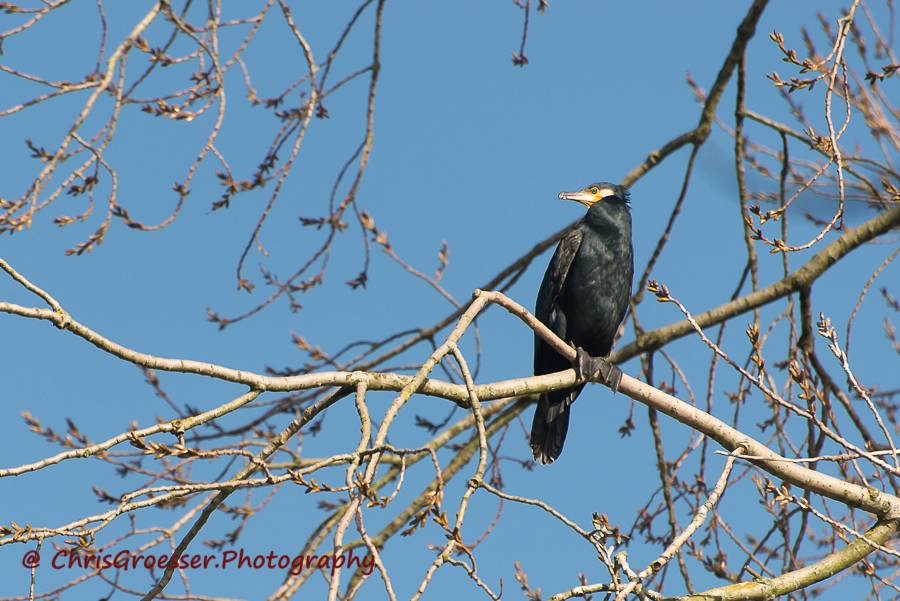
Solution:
(587, 368)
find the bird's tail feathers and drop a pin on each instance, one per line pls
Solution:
(551, 423)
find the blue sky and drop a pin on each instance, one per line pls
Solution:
(468, 149)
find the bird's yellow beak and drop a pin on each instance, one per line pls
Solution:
(583, 196)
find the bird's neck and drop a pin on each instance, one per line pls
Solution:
(606, 217)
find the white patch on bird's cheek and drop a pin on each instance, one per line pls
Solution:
(604, 192)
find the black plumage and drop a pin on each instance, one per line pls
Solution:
(583, 298)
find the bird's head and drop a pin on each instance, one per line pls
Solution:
(601, 191)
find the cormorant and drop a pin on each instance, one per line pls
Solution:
(583, 299)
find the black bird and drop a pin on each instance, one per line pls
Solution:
(583, 299)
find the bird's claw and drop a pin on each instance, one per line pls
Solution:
(587, 368)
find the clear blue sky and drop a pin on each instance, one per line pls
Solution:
(468, 149)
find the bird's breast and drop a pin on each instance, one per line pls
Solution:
(597, 290)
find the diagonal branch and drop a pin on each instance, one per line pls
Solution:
(797, 280)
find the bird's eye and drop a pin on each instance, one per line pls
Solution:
(594, 190)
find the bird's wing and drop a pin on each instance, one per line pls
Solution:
(547, 360)
(557, 271)
(551, 418)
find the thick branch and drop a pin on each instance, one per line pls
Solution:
(868, 499)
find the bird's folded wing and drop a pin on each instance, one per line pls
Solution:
(547, 360)
(557, 271)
